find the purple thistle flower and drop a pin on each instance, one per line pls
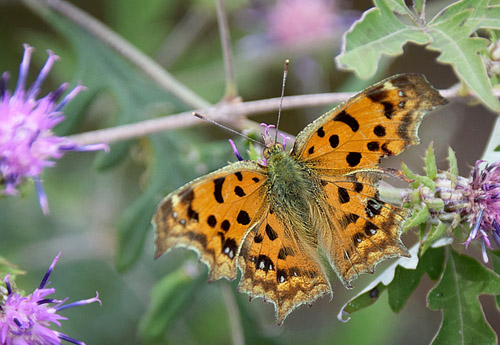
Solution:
(484, 209)
(27, 143)
(25, 320)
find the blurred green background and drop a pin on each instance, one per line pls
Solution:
(87, 203)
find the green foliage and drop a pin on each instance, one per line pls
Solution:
(451, 32)
(457, 293)
(400, 279)
(169, 297)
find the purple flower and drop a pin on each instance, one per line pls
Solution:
(27, 144)
(25, 320)
(484, 209)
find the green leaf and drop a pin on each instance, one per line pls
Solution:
(418, 5)
(7, 267)
(497, 148)
(169, 297)
(430, 163)
(452, 162)
(450, 34)
(495, 257)
(378, 32)
(417, 218)
(372, 292)
(406, 280)
(463, 280)
(398, 6)
(434, 234)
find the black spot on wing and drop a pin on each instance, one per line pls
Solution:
(334, 141)
(320, 132)
(343, 195)
(379, 131)
(311, 150)
(258, 238)
(264, 263)
(225, 225)
(243, 218)
(271, 233)
(239, 176)
(239, 191)
(358, 187)
(370, 229)
(373, 146)
(212, 221)
(353, 158)
(344, 117)
(284, 252)
(218, 183)
(255, 179)
(373, 208)
(230, 248)
(388, 110)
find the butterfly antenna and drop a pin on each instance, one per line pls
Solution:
(198, 115)
(285, 73)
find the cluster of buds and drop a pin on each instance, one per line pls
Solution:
(443, 201)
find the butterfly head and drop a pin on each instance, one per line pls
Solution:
(273, 149)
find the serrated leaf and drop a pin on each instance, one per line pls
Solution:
(378, 32)
(451, 37)
(457, 295)
(169, 297)
(406, 280)
(483, 13)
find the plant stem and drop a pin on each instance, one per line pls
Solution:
(231, 91)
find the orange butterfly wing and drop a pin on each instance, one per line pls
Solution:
(279, 266)
(211, 216)
(382, 120)
(343, 147)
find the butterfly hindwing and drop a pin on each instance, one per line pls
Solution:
(280, 267)
(382, 120)
(365, 230)
(211, 216)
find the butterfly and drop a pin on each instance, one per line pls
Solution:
(279, 222)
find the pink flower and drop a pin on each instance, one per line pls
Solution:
(293, 21)
(27, 144)
(25, 320)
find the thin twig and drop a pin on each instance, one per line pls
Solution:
(227, 53)
(147, 65)
(232, 114)
(182, 36)
(233, 314)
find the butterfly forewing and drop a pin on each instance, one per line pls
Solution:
(379, 121)
(211, 216)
